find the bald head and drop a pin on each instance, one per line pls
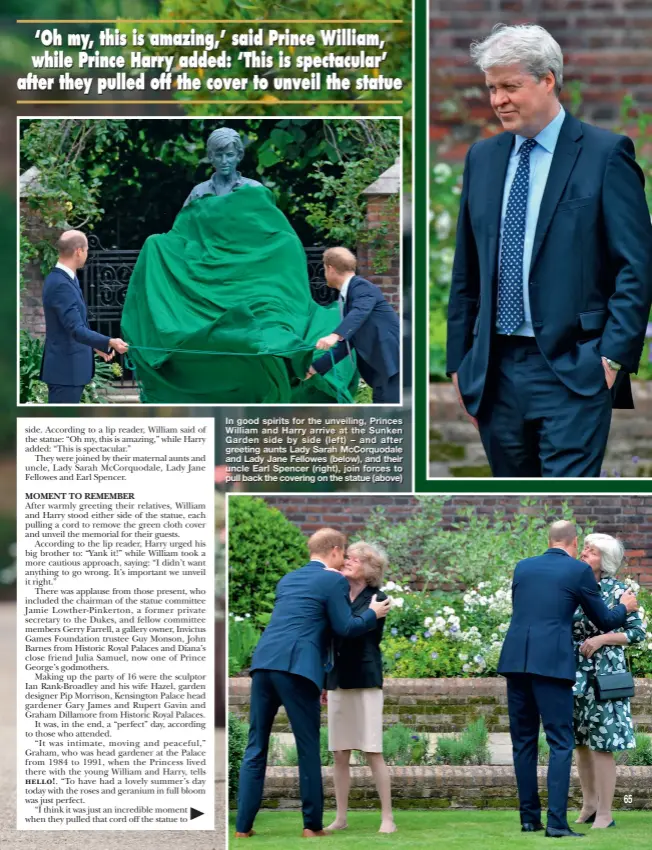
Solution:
(563, 535)
(72, 246)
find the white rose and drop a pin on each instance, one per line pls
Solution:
(441, 172)
(398, 602)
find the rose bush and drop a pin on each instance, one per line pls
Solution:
(461, 634)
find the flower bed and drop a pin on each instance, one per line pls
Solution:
(461, 634)
(442, 705)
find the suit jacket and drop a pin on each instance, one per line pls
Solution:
(311, 603)
(372, 327)
(69, 342)
(358, 660)
(546, 591)
(590, 281)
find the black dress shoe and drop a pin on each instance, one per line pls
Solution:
(551, 832)
(532, 827)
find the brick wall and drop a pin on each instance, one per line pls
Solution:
(32, 317)
(378, 207)
(607, 46)
(628, 517)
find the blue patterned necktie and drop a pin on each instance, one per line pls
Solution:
(511, 312)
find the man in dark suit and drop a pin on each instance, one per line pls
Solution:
(552, 277)
(538, 661)
(68, 364)
(369, 325)
(289, 667)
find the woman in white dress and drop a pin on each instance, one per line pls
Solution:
(355, 689)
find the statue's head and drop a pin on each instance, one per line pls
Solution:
(225, 150)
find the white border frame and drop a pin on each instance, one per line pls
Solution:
(217, 403)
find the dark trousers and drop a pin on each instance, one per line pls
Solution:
(300, 697)
(387, 391)
(532, 425)
(532, 698)
(61, 394)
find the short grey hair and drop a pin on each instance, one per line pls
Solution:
(373, 559)
(612, 552)
(526, 44)
(222, 138)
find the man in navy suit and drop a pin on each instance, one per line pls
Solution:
(288, 669)
(552, 277)
(369, 325)
(68, 364)
(538, 661)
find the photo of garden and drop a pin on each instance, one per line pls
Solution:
(199, 286)
(445, 729)
(607, 53)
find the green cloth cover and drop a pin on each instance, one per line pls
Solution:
(230, 277)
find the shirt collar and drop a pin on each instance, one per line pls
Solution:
(319, 561)
(68, 271)
(547, 138)
(345, 287)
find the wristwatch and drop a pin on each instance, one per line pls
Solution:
(613, 365)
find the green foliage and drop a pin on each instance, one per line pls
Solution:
(404, 746)
(238, 732)
(397, 44)
(263, 547)
(34, 391)
(364, 393)
(469, 747)
(243, 637)
(638, 654)
(476, 547)
(543, 750)
(425, 638)
(95, 392)
(641, 756)
(401, 746)
(141, 174)
(339, 209)
(63, 194)
(446, 187)
(426, 658)
(290, 758)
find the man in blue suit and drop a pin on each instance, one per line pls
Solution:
(538, 661)
(552, 277)
(68, 364)
(369, 325)
(288, 669)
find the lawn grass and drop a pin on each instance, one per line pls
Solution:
(459, 830)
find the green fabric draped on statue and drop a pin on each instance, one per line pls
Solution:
(219, 309)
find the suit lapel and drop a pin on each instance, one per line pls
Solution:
(347, 300)
(563, 160)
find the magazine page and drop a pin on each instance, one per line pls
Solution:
(212, 210)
